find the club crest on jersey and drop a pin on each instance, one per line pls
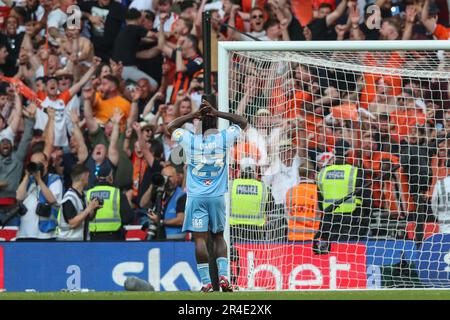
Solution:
(208, 182)
(178, 134)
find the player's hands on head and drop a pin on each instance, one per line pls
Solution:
(206, 109)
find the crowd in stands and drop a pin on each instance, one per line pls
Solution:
(100, 87)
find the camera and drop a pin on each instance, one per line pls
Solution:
(158, 180)
(151, 228)
(100, 200)
(34, 167)
(7, 215)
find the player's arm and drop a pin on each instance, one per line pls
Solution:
(179, 122)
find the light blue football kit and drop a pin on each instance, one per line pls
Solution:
(207, 177)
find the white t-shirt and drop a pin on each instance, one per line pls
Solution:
(29, 223)
(60, 105)
(168, 25)
(262, 35)
(56, 19)
(282, 178)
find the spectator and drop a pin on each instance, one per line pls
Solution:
(78, 151)
(105, 19)
(102, 157)
(56, 21)
(107, 98)
(126, 46)
(13, 40)
(429, 20)
(322, 27)
(164, 16)
(12, 161)
(152, 65)
(280, 176)
(59, 102)
(440, 205)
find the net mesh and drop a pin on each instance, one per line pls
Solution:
(323, 125)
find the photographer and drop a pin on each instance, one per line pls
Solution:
(72, 224)
(166, 200)
(41, 193)
(115, 211)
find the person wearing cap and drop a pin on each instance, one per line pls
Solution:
(107, 222)
(350, 220)
(281, 176)
(429, 20)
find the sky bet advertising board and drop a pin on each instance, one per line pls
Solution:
(171, 266)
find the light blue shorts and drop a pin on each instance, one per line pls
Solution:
(203, 214)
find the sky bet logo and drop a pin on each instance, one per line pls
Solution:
(155, 278)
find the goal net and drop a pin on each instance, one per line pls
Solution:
(340, 180)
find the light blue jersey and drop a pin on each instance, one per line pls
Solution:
(207, 174)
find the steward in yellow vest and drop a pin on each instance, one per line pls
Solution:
(106, 225)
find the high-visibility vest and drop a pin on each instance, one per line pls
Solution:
(248, 200)
(336, 182)
(303, 213)
(107, 218)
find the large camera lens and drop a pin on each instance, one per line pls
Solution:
(158, 180)
(33, 167)
(152, 229)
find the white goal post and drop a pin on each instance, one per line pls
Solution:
(379, 106)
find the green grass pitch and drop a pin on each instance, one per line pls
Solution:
(288, 295)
